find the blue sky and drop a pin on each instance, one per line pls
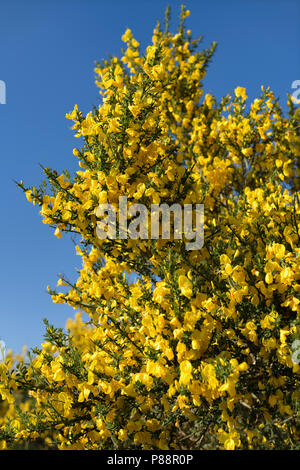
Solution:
(47, 55)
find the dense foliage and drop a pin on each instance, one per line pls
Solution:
(172, 349)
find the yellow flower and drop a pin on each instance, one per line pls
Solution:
(57, 233)
(229, 444)
(240, 92)
(269, 278)
(185, 372)
(127, 35)
(185, 286)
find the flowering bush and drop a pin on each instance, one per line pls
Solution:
(195, 351)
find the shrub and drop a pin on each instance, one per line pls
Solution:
(172, 348)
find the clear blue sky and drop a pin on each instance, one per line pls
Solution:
(47, 54)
